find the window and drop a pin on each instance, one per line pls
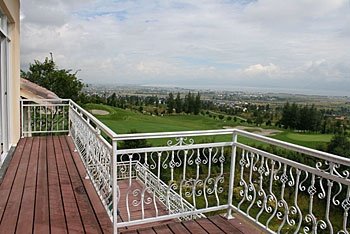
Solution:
(4, 80)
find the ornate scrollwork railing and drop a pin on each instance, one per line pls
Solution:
(285, 195)
(95, 153)
(284, 188)
(182, 177)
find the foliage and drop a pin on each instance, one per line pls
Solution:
(133, 144)
(339, 145)
(190, 104)
(170, 103)
(62, 82)
(301, 117)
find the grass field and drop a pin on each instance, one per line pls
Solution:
(123, 121)
(304, 139)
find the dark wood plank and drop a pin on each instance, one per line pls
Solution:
(146, 231)
(42, 211)
(224, 224)
(128, 232)
(71, 211)
(177, 227)
(9, 177)
(162, 229)
(193, 227)
(26, 214)
(207, 225)
(9, 219)
(57, 218)
(96, 203)
(87, 214)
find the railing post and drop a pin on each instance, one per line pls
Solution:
(69, 113)
(232, 176)
(114, 185)
(22, 125)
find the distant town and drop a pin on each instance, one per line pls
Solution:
(230, 99)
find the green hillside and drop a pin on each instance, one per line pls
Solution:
(123, 121)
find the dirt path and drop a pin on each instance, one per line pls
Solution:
(257, 130)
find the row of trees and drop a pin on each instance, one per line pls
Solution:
(299, 117)
(190, 104)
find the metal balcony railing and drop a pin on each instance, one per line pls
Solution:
(282, 187)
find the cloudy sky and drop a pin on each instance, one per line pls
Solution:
(270, 44)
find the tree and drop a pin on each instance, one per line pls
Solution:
(170, 103)
(112, 100)
(268, 122)
(178, 103)
(339, 145)
(197, 104)
(187, 103)
(133, 144)
(301, 117)
(62, 82)
(259, 120)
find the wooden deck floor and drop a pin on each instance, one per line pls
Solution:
(215, 224)
(44, 191)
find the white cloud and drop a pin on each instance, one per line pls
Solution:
(259, 69)
(155, 68)
(182, 43)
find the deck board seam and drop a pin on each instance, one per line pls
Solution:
(71, 184)
(103, 229)
(35, 188)
(69, 190)
(82, 182)
(25, 177)
(13, 179)
(42, 189)
(59, 184)
(78, 181)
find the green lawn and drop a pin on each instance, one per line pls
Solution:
(304, 139)
(123, 121)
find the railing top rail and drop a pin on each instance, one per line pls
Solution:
(92, 118)
(154, 135)
(297, 148)
(45, 100)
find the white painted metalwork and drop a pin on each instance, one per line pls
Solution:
(282, 187)
(95, 152)
(44, 116)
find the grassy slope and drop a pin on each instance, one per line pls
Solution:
(122, 121)
(304, 139)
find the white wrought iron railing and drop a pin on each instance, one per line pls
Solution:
(44, 116)
(282, 187)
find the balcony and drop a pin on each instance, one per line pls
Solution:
(216, 181)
